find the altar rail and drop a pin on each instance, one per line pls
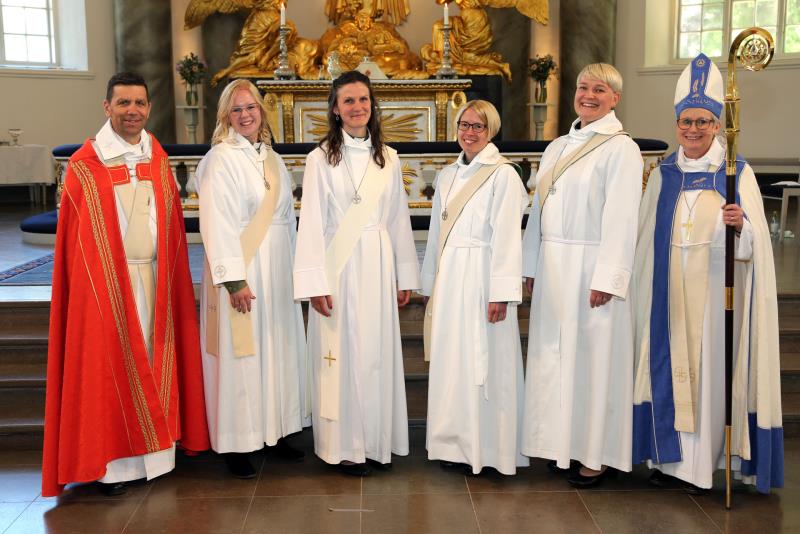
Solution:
(421, 161)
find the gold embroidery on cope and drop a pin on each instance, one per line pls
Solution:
(100, 233)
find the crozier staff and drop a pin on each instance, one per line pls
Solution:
(679, 411)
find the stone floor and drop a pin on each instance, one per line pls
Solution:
(415, 496)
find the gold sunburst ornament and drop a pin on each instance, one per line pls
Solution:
(396, 127)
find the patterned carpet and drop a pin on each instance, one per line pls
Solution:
(39, 272)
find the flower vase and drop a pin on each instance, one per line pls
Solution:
(191, 95)
(540, 95)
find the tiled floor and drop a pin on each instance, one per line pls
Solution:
(415, 496)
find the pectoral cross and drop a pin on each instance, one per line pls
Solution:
(552, 190)
(330, 358)
(688, 225)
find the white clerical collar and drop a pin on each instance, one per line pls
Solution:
(356, 142)
(489, 155)
(712, 158)
(112, 146)
(237, 140)
(606, 125)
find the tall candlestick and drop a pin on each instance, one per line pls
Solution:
(283, 15)
(446, 14)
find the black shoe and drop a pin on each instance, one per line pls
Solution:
(660, 480)
(464, 468)
(115, 489)
(283, 450)
(691, 489)
(356, 470)
(552, 465)
(376, 464)
(577, 480)
(239, 465)
(663, 480)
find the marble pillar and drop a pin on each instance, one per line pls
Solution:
(512, 37)
(588, 32)
(143, 35)
(220, 35)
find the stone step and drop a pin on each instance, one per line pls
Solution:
(790, 404)
(789, 304)
(22, 375)
(23, 349)
(21, 417)
(22, 317)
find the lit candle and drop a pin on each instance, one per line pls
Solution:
(283, 15)
(446, 14)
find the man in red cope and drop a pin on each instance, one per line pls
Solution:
(124, 380)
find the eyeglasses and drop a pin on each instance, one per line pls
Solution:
(477, 127)
(701, 124)
(249, 108)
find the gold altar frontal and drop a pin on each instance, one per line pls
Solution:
(411, 110)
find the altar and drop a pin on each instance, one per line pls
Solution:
(411, 110)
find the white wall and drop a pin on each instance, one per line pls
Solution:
(768, 113)
(58, 108)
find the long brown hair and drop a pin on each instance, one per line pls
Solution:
(333, 141)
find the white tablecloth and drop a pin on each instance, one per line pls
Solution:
(26, 165)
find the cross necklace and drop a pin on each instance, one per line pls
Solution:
(689, 224)
(356, 196)
(452, 184)
(552, 189)
(261, 170)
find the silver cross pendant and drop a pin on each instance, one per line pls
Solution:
(356, 198)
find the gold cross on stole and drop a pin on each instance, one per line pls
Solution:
(330, 358)
(688, 225)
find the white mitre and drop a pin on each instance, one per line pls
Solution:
(700, 86)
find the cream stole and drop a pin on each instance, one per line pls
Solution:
(550, 176)
(251, 238)
(687, 301)
(337, 255)
(456, 206)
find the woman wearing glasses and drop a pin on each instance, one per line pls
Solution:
(472, 276)
(578, 248)
(251, 329)
(679, 411)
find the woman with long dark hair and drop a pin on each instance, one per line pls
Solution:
(356, 263)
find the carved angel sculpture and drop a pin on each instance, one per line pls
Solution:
(256, 53)
(393, 12)
(354, 39)
(471, 37)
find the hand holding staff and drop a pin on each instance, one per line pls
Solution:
(754, 47)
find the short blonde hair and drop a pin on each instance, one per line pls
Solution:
(486, 111)
(225, 104)
(605, 73)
